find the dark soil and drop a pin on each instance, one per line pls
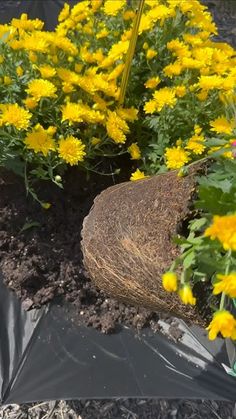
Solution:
(44, 261)
(121, 409)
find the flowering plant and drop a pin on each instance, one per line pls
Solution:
(61, 105)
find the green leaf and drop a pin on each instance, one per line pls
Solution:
(211, 142)
(197, 224)
(215, 201)
(29, 225)
(16, 165)
(189, 260)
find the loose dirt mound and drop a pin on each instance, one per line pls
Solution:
(45, 260)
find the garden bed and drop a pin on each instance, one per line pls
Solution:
(40, 253)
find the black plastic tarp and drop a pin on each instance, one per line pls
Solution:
(45, 355)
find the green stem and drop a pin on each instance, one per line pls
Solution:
(223, 295)
(130, 53)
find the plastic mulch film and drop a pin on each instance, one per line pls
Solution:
(46, 356)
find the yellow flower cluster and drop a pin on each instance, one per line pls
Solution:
(111, 7)
(223, 322)
(71, 150)
(161, 98)
(176, 157)
(169, 281)
(40, 140)
(40, 88)
(116, 127)
(170, 284)
(222, 126)
(196, 144)
(134, 151)
(138, 175)
(226, 284)
(223, 228)
(78, 112)
(13, 114)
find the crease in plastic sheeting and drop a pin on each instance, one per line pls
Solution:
(131, 365)
(16, 330)
(155, 350)
(168, 364)
(199, 351)
(205, 379)
(23, 358)
(215, 349)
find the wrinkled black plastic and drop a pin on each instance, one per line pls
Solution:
(46, 356)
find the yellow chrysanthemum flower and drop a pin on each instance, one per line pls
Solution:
(134, 151)
(186, 295)
(137, 175)
(47, 71)
(197, 129)
(176, 157)
(179, 48)
(67, 76)
(210, 82)
(129, 114)
(46, 205)
(78, 112)
(150, 106)
(172, 69)
(102, 34)
(151, 53)
(95, 141)
(227, 154)
(95, 4)
(196, 144)
(71, 150)
(30, 102)
(164, 97)
(116, 72)
(64, 14)
(128, 14)
(111, 7)
(35, 43)
(223, 322)
(67, 87)
(13, 114)
(152, 83)
(40, 140)
(169, 281)
(223, 228)
(116, 127)
(221, 125)
(7, 80)
(202, 96)
(41, 88)
(226, 284)
(19, 71)
(33, 57)
(27, 24)
(180, 90)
